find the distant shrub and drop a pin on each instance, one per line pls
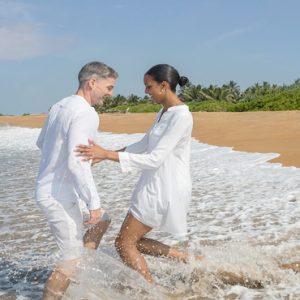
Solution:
(281, 100)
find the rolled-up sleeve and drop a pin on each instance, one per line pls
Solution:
(178, 127)
(83, 128)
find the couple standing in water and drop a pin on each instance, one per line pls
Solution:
(66, 190)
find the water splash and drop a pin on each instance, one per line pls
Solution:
(244, 217)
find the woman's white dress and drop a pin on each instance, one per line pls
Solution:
(162, 194)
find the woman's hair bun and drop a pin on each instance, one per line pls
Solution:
(183, 81)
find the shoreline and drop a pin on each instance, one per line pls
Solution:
(263, 132)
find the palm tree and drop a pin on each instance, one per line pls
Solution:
(296, 82)
(232, 91)
(133, 99)
(118, 100)
(193, 93)
(214, 92)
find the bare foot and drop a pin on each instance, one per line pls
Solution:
(199, 257)
(295, 266)
(183, 256)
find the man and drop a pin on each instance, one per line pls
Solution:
(65, 181)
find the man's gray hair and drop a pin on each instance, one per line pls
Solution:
(96, 69)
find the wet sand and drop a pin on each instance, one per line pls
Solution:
(275, 132)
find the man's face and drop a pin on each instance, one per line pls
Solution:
(102, 88)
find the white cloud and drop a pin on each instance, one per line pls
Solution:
(24, 40)
(21, 36)
(13, 9)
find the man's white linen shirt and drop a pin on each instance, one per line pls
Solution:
(62, 173)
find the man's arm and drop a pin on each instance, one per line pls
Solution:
(41, 138)
(81, 130)
(178, 128)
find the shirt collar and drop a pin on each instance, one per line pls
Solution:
(83, 100)
(178, 107)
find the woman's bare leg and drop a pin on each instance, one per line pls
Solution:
(130, 244)
(155, 248)
(130, 233)
(295, 266)
(152, 247)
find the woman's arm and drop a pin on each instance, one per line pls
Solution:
(178, 127)
(140, 146)
(92, 151)
(96, 153)
(175, 130)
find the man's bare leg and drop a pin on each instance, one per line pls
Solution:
(126, 244)
(58, 281)
(94, 234)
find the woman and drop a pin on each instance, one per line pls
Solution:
(162, 194)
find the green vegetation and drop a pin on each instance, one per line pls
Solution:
(228, 97)
(140, 107)
(288, 99)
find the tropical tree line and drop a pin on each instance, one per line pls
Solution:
(227, 97)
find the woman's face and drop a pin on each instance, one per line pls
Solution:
(154, 89)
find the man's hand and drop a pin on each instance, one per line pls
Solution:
(95, 216)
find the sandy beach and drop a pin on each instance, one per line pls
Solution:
(265, 132)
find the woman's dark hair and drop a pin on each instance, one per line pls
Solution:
(164, 72)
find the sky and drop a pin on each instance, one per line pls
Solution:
(43, 44)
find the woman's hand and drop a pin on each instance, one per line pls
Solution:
(91, 152)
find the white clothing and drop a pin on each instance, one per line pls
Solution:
(71, 121)
(65, 218)
(64, 180)
(162, 194)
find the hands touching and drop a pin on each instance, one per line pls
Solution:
(92, 152)
(96, 153)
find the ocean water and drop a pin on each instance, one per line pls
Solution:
(244, 217)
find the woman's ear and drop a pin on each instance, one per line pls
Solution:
(165, 85)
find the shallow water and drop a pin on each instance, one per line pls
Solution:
(244, 217)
